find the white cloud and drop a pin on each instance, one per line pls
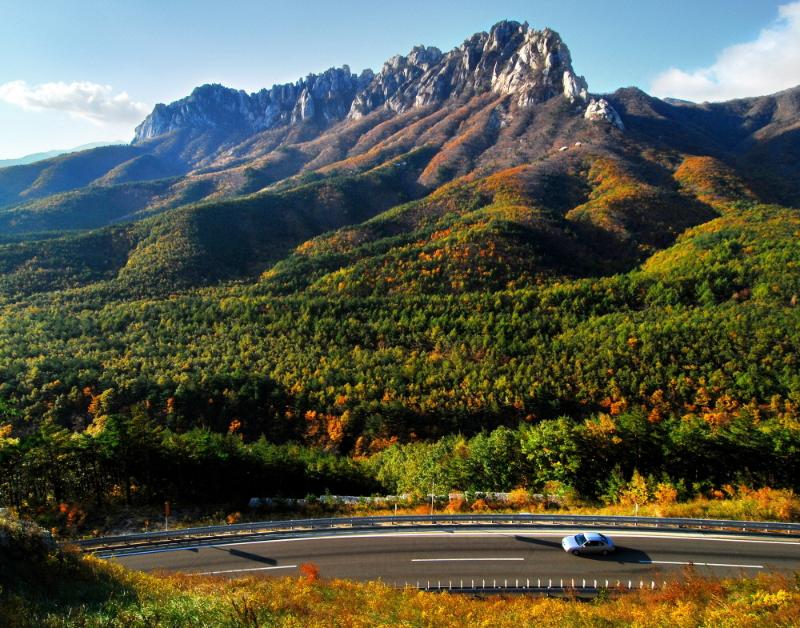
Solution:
(768, 64)
(90, 101)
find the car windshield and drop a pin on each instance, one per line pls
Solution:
(580, 539)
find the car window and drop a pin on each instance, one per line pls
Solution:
(580, 539)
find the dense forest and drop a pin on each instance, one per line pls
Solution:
(478, 296)
(683, 369)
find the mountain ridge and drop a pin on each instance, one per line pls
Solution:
(286, 162)
(220, 142)
(510, 59)
(49, 154)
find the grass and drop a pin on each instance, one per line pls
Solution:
(94, 593)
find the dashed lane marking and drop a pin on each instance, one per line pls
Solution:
(680, 562)
(453, 560)
(216, 573)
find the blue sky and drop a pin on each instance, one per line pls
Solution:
(78, 71)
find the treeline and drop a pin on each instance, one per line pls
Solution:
(130, 460)
(597, 458)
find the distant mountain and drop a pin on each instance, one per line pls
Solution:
(512, 59)
(595, 178)
(34, 157)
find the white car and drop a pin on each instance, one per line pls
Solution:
(588, 543)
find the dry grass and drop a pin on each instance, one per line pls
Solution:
(184, 600)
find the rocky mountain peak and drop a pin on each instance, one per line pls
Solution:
(324, 97)
(538, 68)
(423, 57)
(512, 60)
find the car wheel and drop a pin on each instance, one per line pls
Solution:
(574, 552)
(605, 552)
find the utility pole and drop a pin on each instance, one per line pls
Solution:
(433, 492)
(166, 516)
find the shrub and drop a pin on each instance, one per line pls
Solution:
(310, 571)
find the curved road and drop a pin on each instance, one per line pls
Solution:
(469, 555)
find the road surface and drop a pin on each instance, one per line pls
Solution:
(488, 555)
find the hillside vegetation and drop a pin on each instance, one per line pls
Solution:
(682, 370)
(207, 242)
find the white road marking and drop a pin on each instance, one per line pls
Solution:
(215, 573)
(154, 551)
(453, 560)
(680, 562)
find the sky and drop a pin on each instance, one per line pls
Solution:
(80, 71)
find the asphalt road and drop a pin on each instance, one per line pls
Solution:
(484, 556)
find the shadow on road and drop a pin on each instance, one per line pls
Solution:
(247, 555)
(622, 555)
(534, 541)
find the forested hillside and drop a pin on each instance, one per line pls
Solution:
(689, 359)
(499, 282)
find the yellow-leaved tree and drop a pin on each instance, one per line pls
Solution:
(636, 492)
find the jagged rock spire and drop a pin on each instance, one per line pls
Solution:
(512, 59)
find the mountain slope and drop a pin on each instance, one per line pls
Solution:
(60, 174)
(757, 136)
(576, 214)
(206, 242)
(520, 168)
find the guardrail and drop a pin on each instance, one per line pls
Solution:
(262, 527)
(545, 586)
